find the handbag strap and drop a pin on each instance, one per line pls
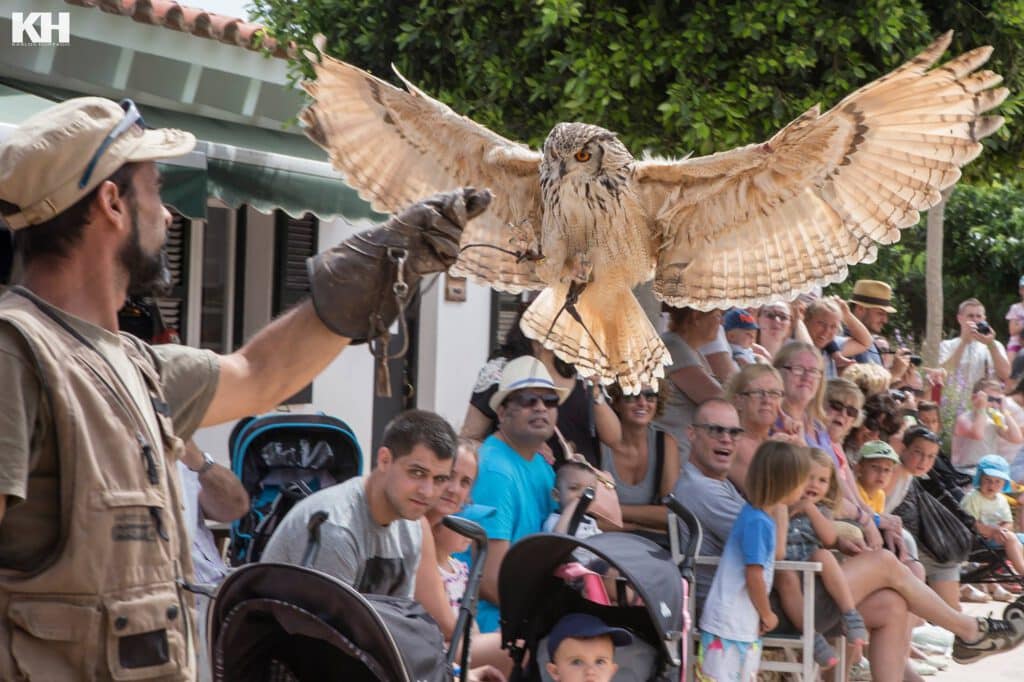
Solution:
(659, 464)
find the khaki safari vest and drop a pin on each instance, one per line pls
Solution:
(106, 605)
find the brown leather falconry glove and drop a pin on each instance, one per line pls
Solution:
(362, 285)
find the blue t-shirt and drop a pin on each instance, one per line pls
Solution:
(729, 611)
(520, 492)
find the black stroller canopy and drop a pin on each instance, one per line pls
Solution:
(320, 626)
(533, 598)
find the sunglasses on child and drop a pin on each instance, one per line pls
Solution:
(650, 395)
(529, 399)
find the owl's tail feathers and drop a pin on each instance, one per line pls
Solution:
(612, 340)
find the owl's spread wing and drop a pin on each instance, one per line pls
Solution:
(771, 220)
(396, 147)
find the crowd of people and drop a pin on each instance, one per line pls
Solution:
(794, 430)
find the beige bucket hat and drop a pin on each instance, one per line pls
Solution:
(871, 293)
(61, 154)
(524, 372)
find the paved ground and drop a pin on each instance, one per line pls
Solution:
(1002, 668)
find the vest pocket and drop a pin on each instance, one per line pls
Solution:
(53, 640)
(146, 636)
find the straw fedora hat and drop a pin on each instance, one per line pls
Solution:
(871, 293)
(524, 372)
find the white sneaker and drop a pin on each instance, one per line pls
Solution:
(933, 637)
(923, 668)
(860, 671)
(937, 662)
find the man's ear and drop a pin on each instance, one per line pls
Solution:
(109, 204)
(553, 671)
(384, 458)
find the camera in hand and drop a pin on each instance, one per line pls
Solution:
(983, 328)
(916, 360)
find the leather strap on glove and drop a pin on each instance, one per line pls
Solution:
(362, 285)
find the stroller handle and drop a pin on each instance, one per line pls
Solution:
(586, 498)
(687, 556)
(466, 528)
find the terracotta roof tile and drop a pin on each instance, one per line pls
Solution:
(198, 22)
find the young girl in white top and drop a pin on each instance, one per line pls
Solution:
(737, 611)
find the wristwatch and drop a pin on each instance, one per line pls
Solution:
(207, 464)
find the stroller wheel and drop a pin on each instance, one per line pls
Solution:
(1014, 613)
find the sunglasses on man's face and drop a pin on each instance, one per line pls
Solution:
(529, 399)
(649, 395)
(719, 432)
(776, 316)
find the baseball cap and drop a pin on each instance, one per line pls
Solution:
(524, 372)
(584, 626)
(876, 449)
(61, 154)
(737, 318)
(995, 466)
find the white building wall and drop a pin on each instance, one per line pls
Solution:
(454, 339)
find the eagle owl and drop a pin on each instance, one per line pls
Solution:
(585, 222)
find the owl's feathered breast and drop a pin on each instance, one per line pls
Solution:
(600, 217)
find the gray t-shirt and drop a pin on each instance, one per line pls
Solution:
(644, 491)
(716, 504)
(372, 558)
(677, 412)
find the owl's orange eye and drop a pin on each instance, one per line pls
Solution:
(582, 156)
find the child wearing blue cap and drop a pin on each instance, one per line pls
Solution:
(989, 506)
(582, 649)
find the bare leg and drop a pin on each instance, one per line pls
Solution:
(869, 572)
(885, 614)
(787, 585)
(834, 580)
(1014, 552)
(949, 590)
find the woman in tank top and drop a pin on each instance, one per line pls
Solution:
(644, 462)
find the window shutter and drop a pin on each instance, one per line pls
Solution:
(505, 308)
(295, 240)
(174, 306)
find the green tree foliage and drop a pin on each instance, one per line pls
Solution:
(669, 77)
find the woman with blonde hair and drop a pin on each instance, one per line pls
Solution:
(870, 378)
(803, 401)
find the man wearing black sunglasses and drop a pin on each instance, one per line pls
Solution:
(514, 477)
(93, 546)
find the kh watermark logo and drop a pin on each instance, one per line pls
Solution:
(40, 28)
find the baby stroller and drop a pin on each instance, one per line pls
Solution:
(280, 459)
(274, 622)
(539, 582)
(988, 565)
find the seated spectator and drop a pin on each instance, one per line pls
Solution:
(514, 477)
(876, 461)
(645, 461)
(987, 503)
(442, 575)
(977, 432)
(774, 326)
(741, 332)
(917, 457)
(883, 588)
(824, 319)
(582, 414)
(756, 393)
(803, 411)
(870, 378)
(689, 379)
(372, 538)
